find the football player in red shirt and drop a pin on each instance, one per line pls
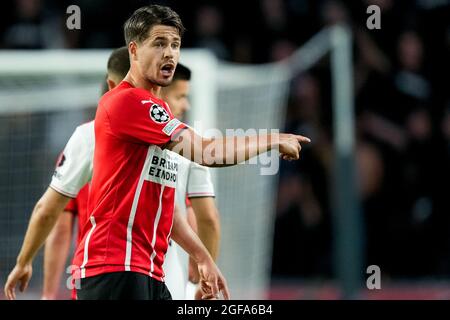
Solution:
(132, 193)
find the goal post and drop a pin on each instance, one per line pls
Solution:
(347, 222)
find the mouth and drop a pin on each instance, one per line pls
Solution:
(167, 69)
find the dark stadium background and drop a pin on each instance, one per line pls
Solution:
(403, 122)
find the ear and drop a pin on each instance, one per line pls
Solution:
(132, 49)
(111, 84)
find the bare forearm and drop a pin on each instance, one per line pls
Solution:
(221, 152)
(38, 229)
(208, 224)
(229, 151)
(44, 217)
(55, 254)
(183, 234)
(210, 238)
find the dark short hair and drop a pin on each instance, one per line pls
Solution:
(182, 73)
(119, 62)
(137, 27)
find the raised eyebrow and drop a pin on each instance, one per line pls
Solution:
(161, 38)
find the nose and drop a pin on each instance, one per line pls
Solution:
(169, 52)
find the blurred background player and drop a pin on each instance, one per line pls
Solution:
(194, 198)
(71, 183)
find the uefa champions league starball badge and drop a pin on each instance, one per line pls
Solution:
(158, 114)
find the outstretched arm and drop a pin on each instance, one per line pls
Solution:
(42, 220)
(231, 150)
(211, 279)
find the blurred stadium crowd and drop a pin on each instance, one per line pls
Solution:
(402, 104)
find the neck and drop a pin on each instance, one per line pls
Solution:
(139, 82)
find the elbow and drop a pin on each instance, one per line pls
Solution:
(43, 213)
(215, 226)
(210, 223)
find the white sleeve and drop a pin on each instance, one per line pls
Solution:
(74, 167)
(199, 182)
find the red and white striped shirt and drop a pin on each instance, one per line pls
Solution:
(132, 192)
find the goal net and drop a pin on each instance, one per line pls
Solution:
(44, 95)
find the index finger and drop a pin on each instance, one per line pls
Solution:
(302, 138)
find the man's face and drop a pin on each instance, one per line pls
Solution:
(176, 95)
(158, 55)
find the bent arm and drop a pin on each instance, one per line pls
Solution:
(43, 218)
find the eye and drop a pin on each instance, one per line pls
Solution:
(175, 45)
